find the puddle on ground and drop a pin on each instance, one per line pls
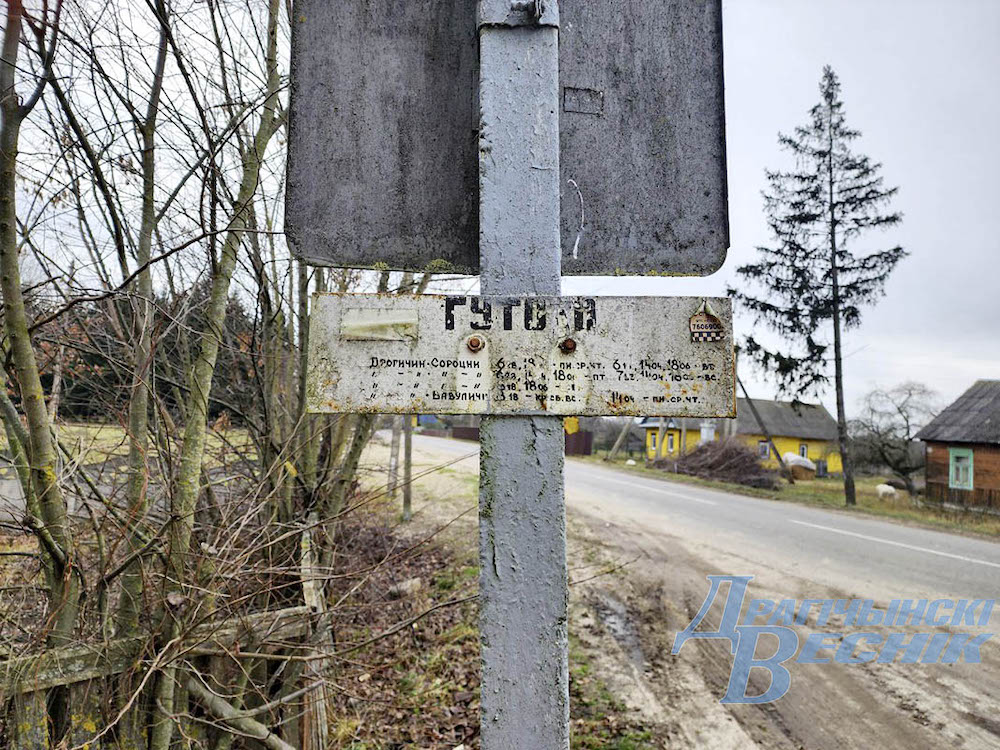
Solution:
(614, 615)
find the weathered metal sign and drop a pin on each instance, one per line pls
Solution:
(644, 356)
(384, 153)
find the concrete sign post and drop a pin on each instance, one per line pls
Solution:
(523, 590)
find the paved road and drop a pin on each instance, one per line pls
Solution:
(861, 555)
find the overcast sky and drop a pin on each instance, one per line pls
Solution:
(920, 80)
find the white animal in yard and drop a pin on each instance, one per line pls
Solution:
(885, 492)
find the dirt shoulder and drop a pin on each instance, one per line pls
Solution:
(420, 687)
(893, 705)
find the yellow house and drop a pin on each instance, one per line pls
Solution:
(679, 435)
(806, 430)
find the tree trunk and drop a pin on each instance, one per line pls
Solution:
(52, 528)
(188, 482)
(308, 438)
(65, 593)
(397, 428)
(407, 466)
(275, 426)
(130, 604)
(55, 392)
(845, 457)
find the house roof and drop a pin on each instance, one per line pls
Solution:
(654, 423)
(973, 418)
(786, 419)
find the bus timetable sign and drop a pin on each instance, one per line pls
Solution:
(532, 355)
(384, 155)
(598, 128)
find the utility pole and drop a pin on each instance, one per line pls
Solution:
(522, 532)
(785, 472)
(620, 440)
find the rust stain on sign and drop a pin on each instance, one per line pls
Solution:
(528, 355)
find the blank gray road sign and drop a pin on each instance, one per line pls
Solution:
(425, 354)
(383, 158)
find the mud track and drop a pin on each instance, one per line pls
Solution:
(630, 619)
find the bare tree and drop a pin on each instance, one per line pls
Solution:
(889, 421)
(146, 277)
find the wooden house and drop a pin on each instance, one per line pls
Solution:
(671, 445)
(807, 430)
(680, 435)
(962, 449)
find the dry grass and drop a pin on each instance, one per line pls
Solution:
(95, 443)
(445, 506)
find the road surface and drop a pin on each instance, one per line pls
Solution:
(835, 547)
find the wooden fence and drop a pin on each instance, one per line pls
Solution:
(977, 499)
(87, 673)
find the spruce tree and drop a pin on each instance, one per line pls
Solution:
(810, 283)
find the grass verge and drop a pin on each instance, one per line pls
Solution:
(419, 687)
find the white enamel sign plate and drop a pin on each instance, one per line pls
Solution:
(644, 356)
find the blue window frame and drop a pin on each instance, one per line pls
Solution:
(960, 468)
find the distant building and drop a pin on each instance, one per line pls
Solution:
(680, 435)
(962, 448)
(807, 430)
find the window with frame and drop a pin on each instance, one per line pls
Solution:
(652, 442)
(763, 449)
(960, 469)
(670, 443)
(804, 450)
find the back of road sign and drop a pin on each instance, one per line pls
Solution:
(383, 158)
